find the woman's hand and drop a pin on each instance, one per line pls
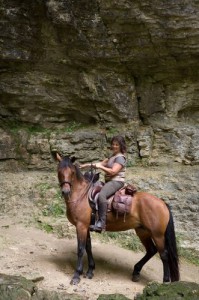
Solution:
(98, 165)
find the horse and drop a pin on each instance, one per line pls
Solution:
(150, 217)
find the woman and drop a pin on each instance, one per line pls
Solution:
(114, 168)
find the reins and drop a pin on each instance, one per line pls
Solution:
(87, 188)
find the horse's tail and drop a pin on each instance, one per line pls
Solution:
(171, 247)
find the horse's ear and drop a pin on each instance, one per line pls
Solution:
(56, 156)
(73, 159)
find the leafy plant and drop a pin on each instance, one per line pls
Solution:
(72, 126)
(112, 130)
(45, 226)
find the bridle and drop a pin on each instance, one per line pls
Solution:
(87, 188)
(63, 182)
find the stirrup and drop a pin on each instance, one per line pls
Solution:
(92, 227)
(97, 228)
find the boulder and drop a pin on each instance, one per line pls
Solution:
(20, 288)
(173, 291)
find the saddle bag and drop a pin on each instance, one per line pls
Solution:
(122, 203)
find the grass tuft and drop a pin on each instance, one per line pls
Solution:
(54, 209)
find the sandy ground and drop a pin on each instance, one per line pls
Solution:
(32, 253)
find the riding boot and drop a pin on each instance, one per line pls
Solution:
(101, 222)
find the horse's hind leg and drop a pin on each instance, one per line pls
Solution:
(160, 244)
(91, 263)
(151, 250)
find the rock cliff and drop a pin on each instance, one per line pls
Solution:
(102, 63)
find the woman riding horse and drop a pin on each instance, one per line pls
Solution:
(114, 168)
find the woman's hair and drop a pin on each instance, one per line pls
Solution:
(121, 142)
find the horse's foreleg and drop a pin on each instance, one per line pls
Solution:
(81, 245)
(91, 263)
(151, 251)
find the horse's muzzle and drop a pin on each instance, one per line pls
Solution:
(65, 193)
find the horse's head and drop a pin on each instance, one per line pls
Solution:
(67, 172)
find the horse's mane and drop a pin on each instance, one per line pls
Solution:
(67, 163)
(91, 176)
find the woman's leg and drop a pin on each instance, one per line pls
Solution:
(108, 190)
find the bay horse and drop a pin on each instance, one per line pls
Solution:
(149, 216)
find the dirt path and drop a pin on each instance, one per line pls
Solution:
(32, 253)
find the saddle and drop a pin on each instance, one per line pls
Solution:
(120, 202)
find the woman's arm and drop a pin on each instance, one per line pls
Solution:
(83, 166)
(110, 171)
(88, 165)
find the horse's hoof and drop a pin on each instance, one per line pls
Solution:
(135, 278)
(89, 275)
(75, 281)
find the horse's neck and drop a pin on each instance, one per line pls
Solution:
(79, 190)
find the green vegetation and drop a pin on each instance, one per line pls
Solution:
(43, 188)
(15, 126)
(46, 227)
(130, 164)
(189, 254)
(127, 240)
(72, 126)
(113, 131)
(54, 209)
(180, 290)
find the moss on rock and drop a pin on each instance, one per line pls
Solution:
(20, 288)
(174, 291)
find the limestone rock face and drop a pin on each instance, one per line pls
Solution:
(104, 63)
(99, 61)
